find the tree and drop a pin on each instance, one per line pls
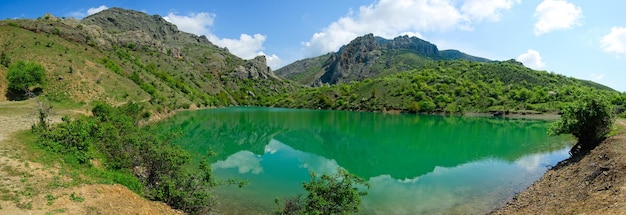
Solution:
(24, 74)
(327, 194)
(589, 120)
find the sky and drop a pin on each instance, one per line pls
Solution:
(576, 38)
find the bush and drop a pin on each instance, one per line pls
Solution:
(589, 120)
(112, 134)
(24, 74)
(327, 194)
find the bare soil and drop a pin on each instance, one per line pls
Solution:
(27, 187)
(593, 184)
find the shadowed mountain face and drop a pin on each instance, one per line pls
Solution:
(369, 57)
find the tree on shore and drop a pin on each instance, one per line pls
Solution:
(589, 120)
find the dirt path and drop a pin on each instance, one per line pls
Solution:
(32, 188)
(596, 184)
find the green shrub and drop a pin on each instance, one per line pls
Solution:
(112, 134)
(589, 120)
(24, 74)
(327, 194)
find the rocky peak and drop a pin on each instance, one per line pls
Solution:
(121, 27)
(255, 69)
(118, 20)
(415, 45)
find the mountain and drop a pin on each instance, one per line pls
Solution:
(163, 65)
(454, 86)
(369, 56)
(120, 55)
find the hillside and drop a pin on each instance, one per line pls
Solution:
(120, 55)
(408, 74)
(455, 86)
(369, 56)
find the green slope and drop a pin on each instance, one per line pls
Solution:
(454, 87)
(101, 58)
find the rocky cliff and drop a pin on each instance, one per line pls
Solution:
(368, 56)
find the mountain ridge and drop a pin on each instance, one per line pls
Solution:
(367, 56)
(176, 68)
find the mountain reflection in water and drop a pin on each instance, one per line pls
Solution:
(414, 163)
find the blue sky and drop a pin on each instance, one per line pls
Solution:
(578, 38)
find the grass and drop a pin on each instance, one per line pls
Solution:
(11, 171)
(25, 205)
(619, 126)
(76, 174)
(56, 211)
(76, 198)
(50, 199)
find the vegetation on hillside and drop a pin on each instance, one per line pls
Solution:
(369, 56)
(454, 87)
(145, 163)
(87, 63)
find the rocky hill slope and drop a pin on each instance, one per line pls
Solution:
(170, 68)
(369, 57)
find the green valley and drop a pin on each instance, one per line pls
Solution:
(117, 71)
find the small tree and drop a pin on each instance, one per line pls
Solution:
(24, 74)
(589, 120)
(328, 194)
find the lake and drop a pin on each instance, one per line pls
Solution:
(415, 164)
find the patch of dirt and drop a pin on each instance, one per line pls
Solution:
(593, 184)
(32, 188)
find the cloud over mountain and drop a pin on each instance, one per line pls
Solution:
(615, 41)
(556, 15)
(390, 18)
(531, 59)
(246, 46)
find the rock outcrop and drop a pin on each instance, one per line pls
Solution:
(138, 30)
(366, 57)
(254, 69)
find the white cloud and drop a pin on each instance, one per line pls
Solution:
(556, 15)
(244, 161)
(386, 18)
(615, 41)
(82, 13)
(391, 18)
(486, 9)
(96, 9)
(596, 77)
(246, 46)
(273, 61)
(195, 23)
(531, 59)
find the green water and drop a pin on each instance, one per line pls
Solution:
(416, 164)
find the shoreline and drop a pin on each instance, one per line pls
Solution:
(594, 183)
